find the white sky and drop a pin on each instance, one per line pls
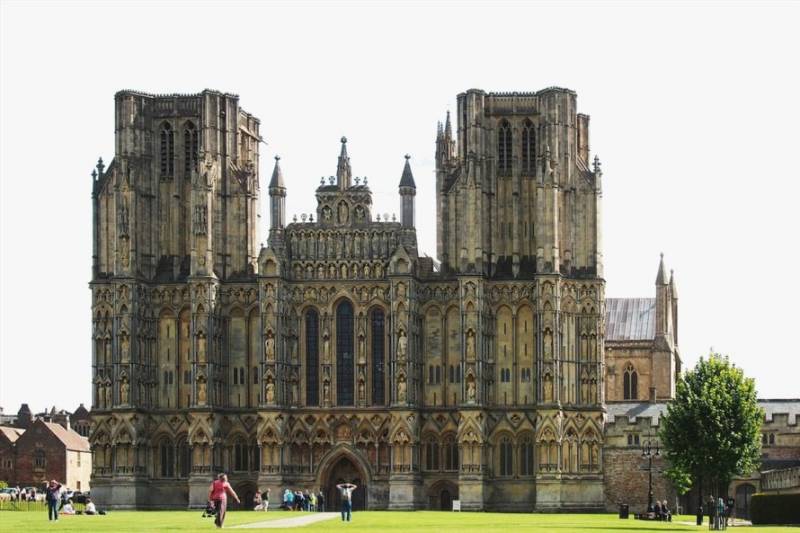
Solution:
(694, 113)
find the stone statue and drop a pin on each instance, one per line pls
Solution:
(402, 345)
(123, 391)
(357, 245)
(201, 392)
(548, 388)
(471, 345)
(295, 398)
(201, 348)
(269, 347)
(361, 391)
(401, 389)
(362, 351)
(326, 347)
(125, 347)
(326, 391)
(471, 389)
(269, 389)
(343, 213)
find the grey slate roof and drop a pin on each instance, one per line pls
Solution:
(630, 319)
(277, 175)
(790, 407)
(633, 410)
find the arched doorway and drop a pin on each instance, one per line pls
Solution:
(441, 496)
(344, 470)
(743, 494)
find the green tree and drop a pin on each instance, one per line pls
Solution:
(712, 430)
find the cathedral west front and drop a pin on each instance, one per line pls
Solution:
(339, 352)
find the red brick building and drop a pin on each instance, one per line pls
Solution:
(44, 451)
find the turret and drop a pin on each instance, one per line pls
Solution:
(663, 305)
(408, 190)
(277, 198)
(343, 171)
(673, 292)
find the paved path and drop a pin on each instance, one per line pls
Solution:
(296, 521)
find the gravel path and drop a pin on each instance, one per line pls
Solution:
(296, 521)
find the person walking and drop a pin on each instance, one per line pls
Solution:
(346, 492)
(321, 501)
(51, 496)
(265, 499)
(218, 493)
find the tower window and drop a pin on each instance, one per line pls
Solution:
(378, 336)
(167, 151)
(630, 383)
(312, 357)
(344, 353)
(504, 149)
(190, 148)
(528, 148)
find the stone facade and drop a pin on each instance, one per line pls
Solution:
(336, 351)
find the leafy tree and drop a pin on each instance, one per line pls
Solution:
(712, 429)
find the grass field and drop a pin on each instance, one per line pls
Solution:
(363, 522)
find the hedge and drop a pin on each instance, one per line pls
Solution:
(775, 509)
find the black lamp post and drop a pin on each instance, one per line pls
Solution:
(649, 452)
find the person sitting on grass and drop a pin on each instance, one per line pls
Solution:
(257, 502)
(68, 508)
(665, 514)
(90, 508)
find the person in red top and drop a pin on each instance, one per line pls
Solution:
(218, 495)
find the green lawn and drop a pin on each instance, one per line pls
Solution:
(373, 521)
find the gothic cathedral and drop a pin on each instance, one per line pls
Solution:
(338, 352)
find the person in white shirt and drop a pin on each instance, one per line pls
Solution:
(90, 508)
(346, 492)
(68, 508)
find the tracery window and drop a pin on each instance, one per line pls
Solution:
(167, 151)
(184, 459)
(39, 459)
(506, 457)
(630, 383)
(190, 148)
(504, 149)
(240, 456)
(378, 347)
(526, 457)
(450, 453)
(528, 148)
(167, 458)
(312, 357)
(431, 454)
(344, 353)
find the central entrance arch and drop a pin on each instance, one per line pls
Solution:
(344, 470)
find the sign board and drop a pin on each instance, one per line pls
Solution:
(457, 505)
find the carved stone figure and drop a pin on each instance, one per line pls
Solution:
(326, 391)
(402, 345)
(269, 346)
(269, 391)
(201, 348)
(362, 350)
(125, 347)
(362, 396)
(123, 391)
(548, 388)
(471, 389)
(470, 345)
(326, 347)
(401, 389)
(201, 392)
(343, 212)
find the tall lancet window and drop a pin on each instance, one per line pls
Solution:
(528, 148)
(344, 353)
(630, 383)
(312, 357)
(191, 147)
(504, 149)
(167, 151)
(378, 346)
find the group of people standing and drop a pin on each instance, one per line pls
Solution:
(299, 500)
